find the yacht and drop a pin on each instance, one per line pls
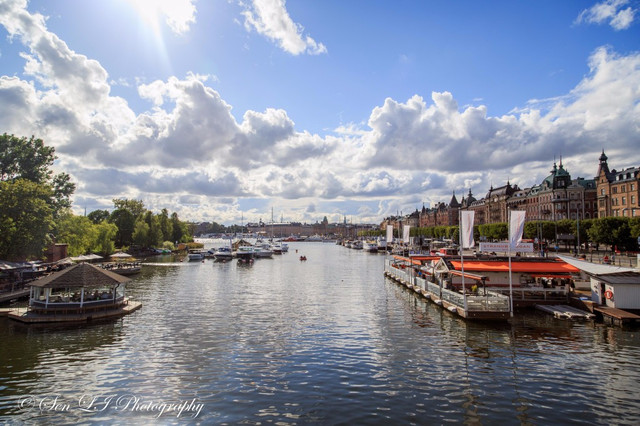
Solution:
(223, 254)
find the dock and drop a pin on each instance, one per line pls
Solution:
(565, 311)
(617, 316)
(26, 315)
(12, 295)
(488, 306)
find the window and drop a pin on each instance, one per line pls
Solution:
(633, 199)
(633, 187)
(623, 188)
(602, 191)
(614, 190)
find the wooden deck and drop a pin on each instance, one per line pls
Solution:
(617, 316)
(25, 315)
(17, 294)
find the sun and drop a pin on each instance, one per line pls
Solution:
(177, 14)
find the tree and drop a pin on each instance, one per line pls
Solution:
(125, 221)
(98, 216)
(25, 174)
(25, 158)
(136, 207)
(154, 238)
(105, 236)
(25, 219)
(166, 226)
(140, 233)
(78, 232)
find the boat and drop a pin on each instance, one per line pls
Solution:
(264, 250)
(245, 254)
(223, 254)
(122, 268)
(357, 245)
(370, 246)
(315, 237)
(195, 254)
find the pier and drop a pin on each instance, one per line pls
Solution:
(617, 316)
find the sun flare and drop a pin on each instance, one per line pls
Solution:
(178, 14)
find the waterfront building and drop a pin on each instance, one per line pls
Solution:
(618, 192)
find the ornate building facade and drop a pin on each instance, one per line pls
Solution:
(617, 191)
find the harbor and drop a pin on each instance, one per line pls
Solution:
(329, 340)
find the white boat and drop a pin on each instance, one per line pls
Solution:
(223, 254)
(370, 246)
(245, 253)
(263, 251)
(195, 254)
(357, 245)
(315, 237)
(276, 248)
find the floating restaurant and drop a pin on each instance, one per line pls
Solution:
(80, 293)
(471, 299)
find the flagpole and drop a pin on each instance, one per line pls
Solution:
(510, 280)
(464, 293)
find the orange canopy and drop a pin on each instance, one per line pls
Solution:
(539, 268)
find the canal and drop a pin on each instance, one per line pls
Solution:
(326, 341)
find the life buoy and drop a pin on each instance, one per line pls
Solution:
(608, 294)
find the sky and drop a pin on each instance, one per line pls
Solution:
(236, 110)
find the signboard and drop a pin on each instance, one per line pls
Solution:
(504, 247)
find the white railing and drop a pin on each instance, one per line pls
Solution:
(489, 301)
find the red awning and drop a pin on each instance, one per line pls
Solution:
(516, 266)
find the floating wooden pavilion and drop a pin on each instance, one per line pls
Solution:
(80, 293)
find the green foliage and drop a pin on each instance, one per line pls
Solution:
(25, 169)
(25, 158)
(26, 219)
(494, 231)
(106, 234)
(78, 232)
(136, 207)
(125, 222)
(98, 216)
(140, 233)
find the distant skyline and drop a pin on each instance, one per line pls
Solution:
(224, 109)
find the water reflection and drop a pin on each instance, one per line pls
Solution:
(324, 341)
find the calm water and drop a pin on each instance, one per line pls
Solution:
(326, 341)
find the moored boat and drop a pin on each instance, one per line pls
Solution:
(223, 254)
(196, 254)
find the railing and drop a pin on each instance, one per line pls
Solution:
(489, 301)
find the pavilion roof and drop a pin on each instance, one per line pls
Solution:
(81, 275)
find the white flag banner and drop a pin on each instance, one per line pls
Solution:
(389, 233)
(405, 233)
(466, 229)
(516, 227)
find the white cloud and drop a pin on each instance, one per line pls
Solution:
(189, 154)
(179, 15)
(271, 19)
(612, 11)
